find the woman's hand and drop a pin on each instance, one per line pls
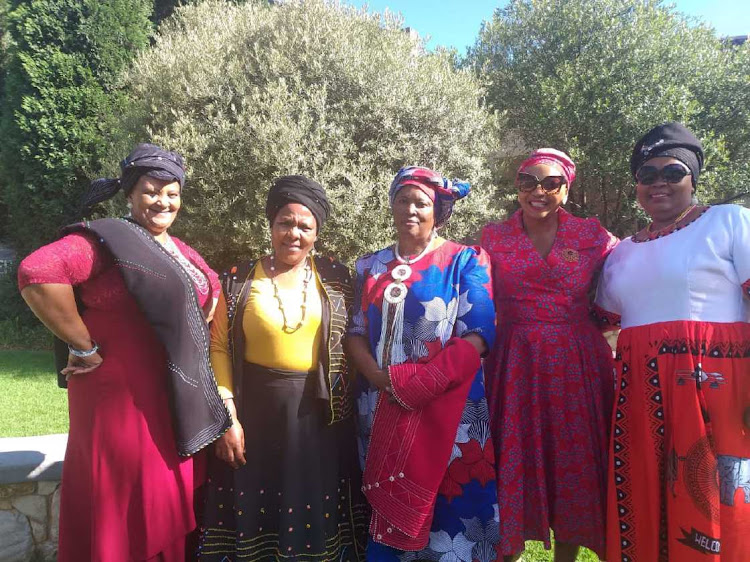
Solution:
(380, 379)
(209, 309)
(81, 365)
(230, 447)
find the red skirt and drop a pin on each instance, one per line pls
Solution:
(679, 465)
(550, 394)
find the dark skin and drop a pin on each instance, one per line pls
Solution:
(540, 209)
(294, 231)
(664, 202)
(414, 219)
(155, 204)
(540, 222)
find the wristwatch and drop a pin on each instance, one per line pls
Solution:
(84, 353)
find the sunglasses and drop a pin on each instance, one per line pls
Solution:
(671, 173)
(528, 182)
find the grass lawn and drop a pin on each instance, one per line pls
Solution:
(535, 553)
(32, 404)
(30, 401)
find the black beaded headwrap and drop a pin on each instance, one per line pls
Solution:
(298, 189)
(669, 139)
(145, 160)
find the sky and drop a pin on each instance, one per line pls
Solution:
(456, 23)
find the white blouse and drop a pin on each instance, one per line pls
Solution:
(695, 273)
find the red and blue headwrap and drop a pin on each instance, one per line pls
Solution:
(442, 191)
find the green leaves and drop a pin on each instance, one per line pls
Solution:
(62, 64)
(250, 92)
(591, 76)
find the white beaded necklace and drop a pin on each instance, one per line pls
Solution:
(195, 274)
(396, 291)
(419, 256)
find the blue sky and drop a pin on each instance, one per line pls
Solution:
(455, 23)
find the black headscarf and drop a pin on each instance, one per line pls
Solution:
(669, 139)
(298, 189)
(145, 160)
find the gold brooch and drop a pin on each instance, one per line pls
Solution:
(570, 255)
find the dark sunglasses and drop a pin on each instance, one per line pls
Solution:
(671, 173)
(528, 182)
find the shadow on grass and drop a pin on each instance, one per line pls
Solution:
(26, 364)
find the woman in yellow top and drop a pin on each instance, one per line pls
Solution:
(286, 485)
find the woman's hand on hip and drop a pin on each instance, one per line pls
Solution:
(230, 447)
(81, 365)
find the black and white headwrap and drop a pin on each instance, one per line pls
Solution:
(669, 139)
(145, 160)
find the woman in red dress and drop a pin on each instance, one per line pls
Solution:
(550, 373)
(135, 355)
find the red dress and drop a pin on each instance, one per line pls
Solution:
(126, 494)
(550, 385)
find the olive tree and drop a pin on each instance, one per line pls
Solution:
(251, 91)
(591, 76)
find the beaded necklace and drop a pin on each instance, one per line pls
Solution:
(303, 307)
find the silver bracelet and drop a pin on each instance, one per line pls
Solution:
(86, 353)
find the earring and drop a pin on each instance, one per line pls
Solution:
(129, 205)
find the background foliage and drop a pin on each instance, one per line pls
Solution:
(61, 68)
(251, 89)
(591, 76)
(249, 92)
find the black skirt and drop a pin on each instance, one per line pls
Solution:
(298, 497)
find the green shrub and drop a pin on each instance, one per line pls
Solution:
(591, 76)
(250, 92)
(62, 63)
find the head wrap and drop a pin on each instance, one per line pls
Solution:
(145, 160)
(298, 189)
(442, 191)
(551, 157)
(669, 139)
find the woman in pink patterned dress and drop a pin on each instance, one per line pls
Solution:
(140, 388)
(550, 374)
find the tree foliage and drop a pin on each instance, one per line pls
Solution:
(591, 76)
(63, 62)
(251, 91)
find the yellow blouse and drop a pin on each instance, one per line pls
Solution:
(265, 342)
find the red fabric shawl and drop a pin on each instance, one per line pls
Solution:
(411, 443)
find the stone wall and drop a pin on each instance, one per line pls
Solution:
(30, 471)
(28, 521)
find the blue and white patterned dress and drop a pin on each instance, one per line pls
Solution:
(449, 295)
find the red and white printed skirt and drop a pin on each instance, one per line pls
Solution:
(679, 465)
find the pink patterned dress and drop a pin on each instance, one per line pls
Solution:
(126, 494)
(550, 384)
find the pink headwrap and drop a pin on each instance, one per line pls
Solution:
(552, 157)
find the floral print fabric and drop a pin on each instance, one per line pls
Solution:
(449, 294)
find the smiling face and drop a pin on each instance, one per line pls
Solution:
(664, 201)
(413, 214)
(293, 233)
(538, 204)
(155, 203)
